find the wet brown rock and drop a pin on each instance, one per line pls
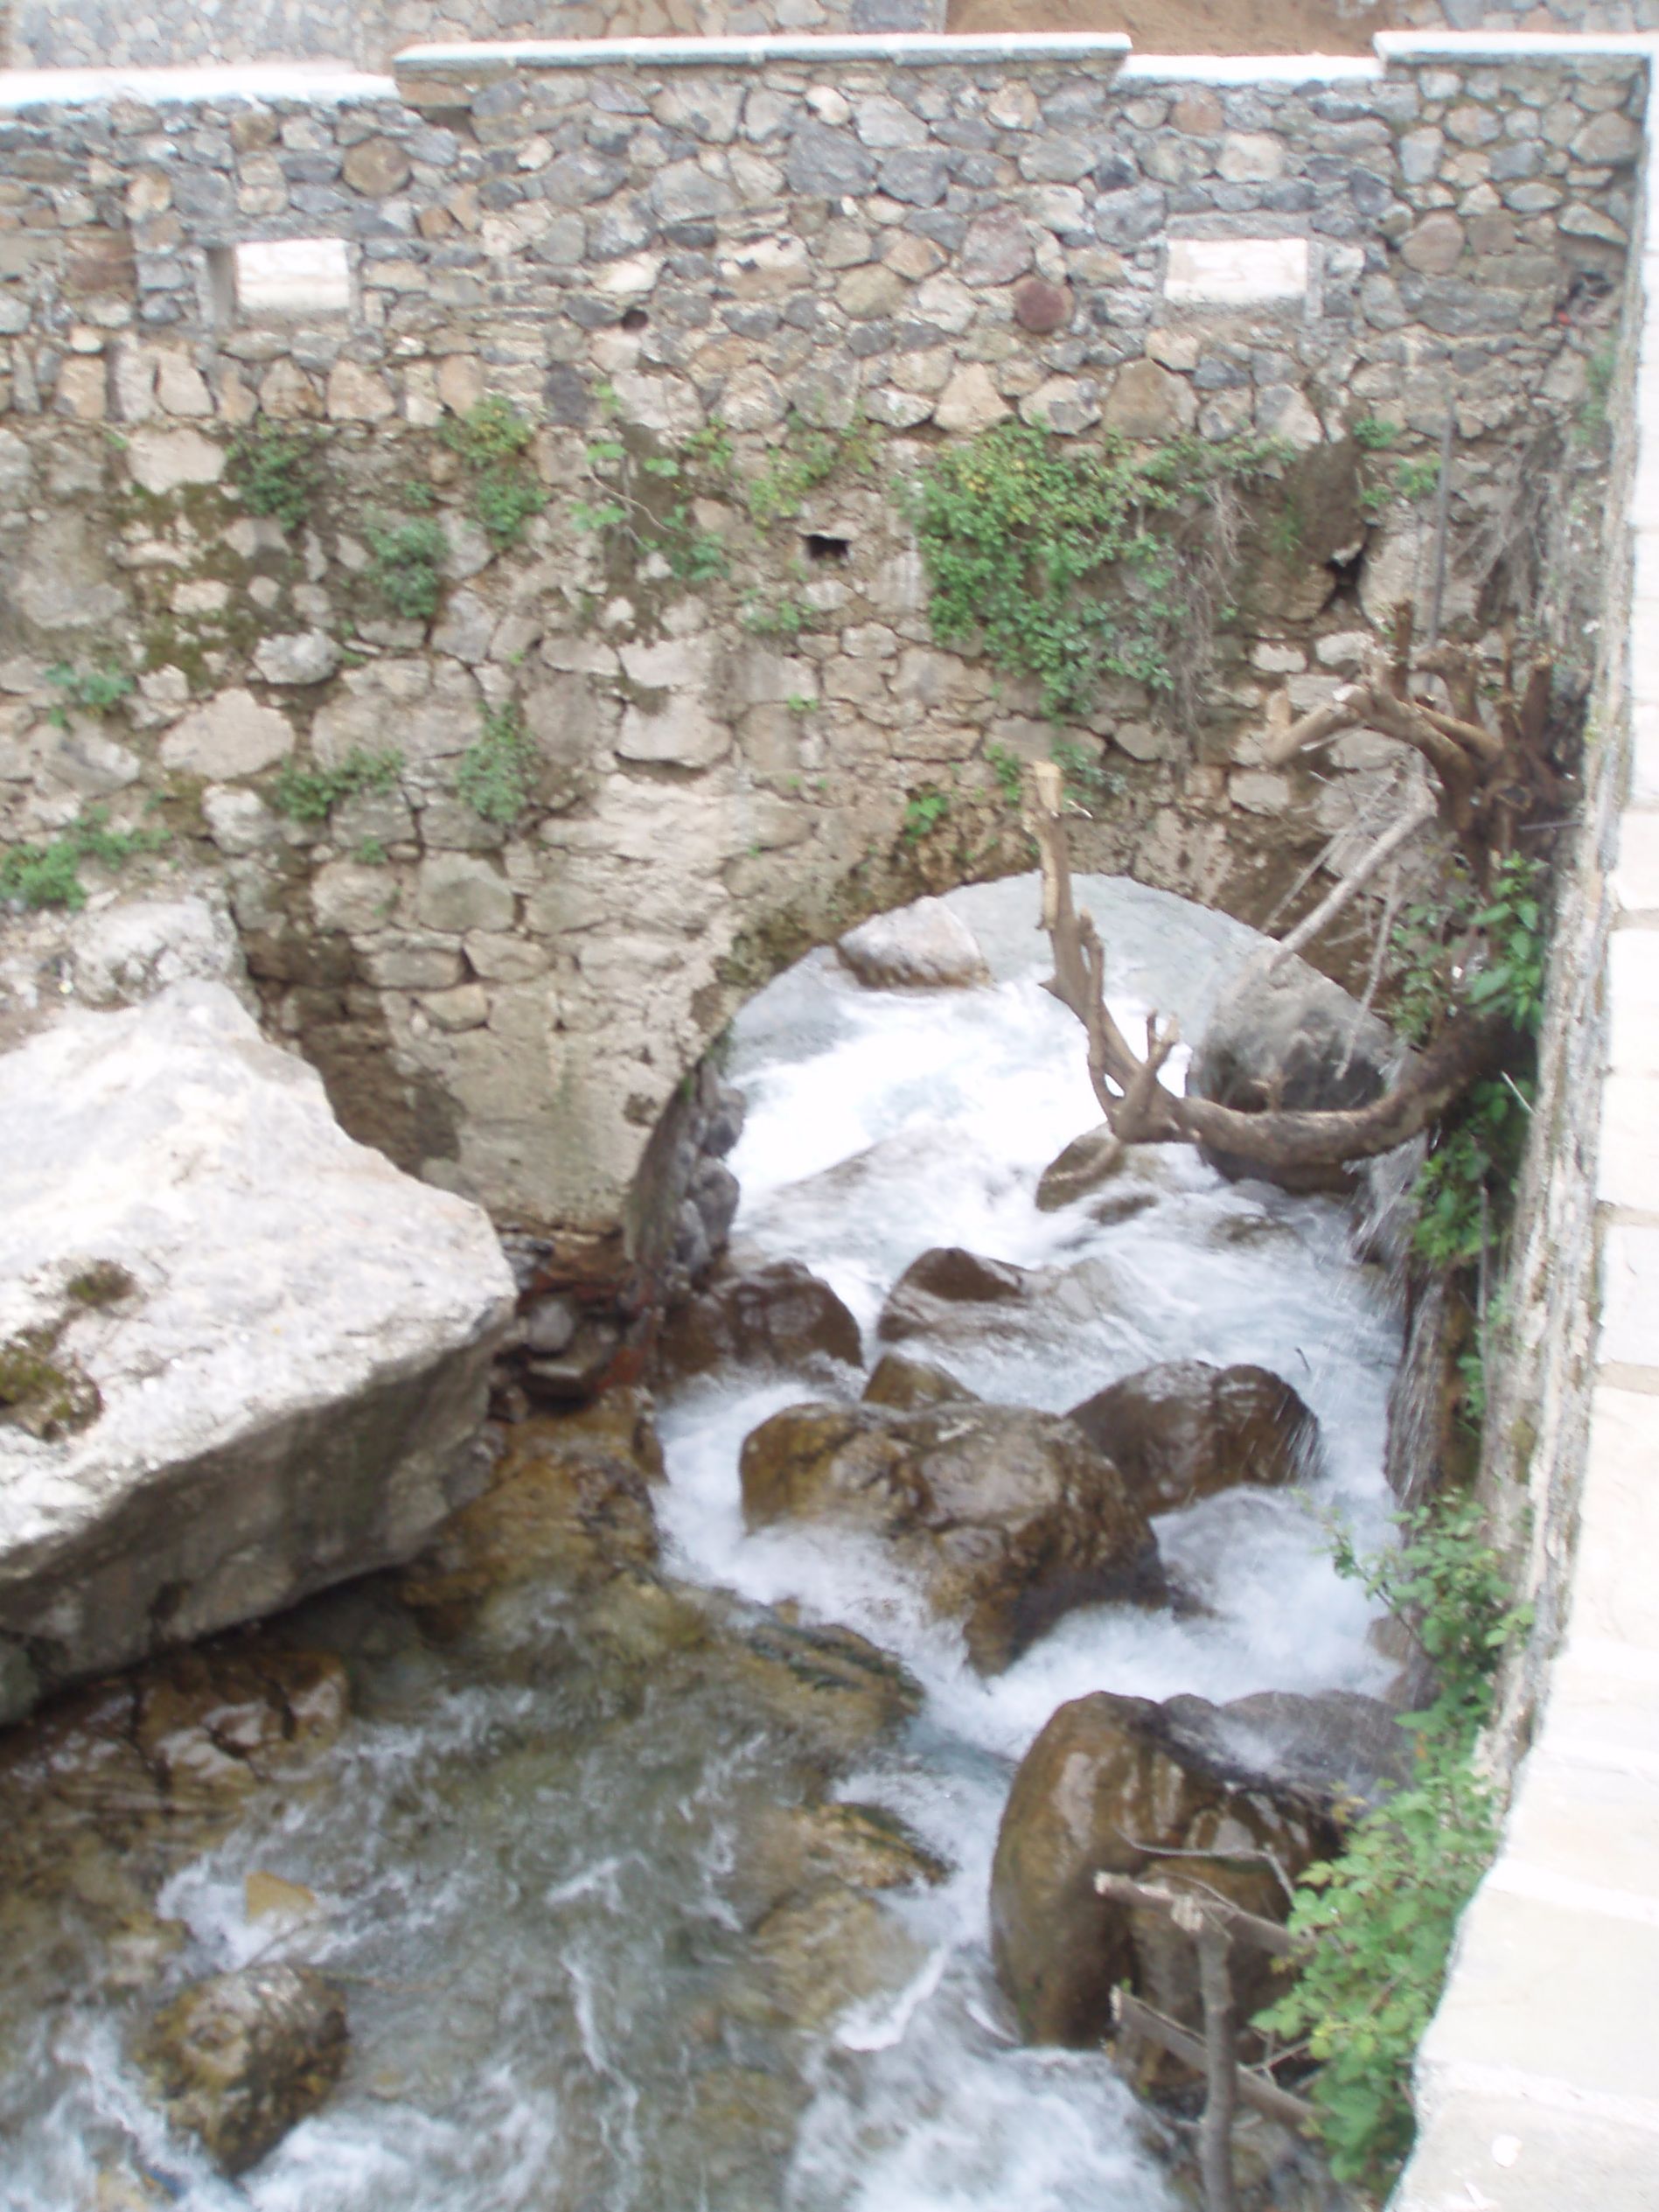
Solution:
(896, 1380)
(240, 2059)
(779, 1315)
(1132, 1176)
(1087, 1161)
(1041, 307)
(1295, 1041)
(1184, 1430)
(920, 1302)
(1008, 1517)
(570, 1502)
(1110, 1783)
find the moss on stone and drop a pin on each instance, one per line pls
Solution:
(104, 1283)
(49, 1396)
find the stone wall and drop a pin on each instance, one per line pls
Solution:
(700, 268)
(1535, 2080)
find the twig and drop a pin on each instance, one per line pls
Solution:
(1420, 811)
(1221, 2053)
(1135, 2017)
(1442, 511)
(1266, 1935)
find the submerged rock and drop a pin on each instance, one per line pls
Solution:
(1290, 1040)
(864, 1846)
(239, 2060)
(171, 1751)
(1257, 1789)
(1184, 1430)
(290, 1377)
(896, 1380)
(924, 947)
(831, 1684)
(569, 1503)
(1008, 1517)
(830, 1948)
(779, 1315)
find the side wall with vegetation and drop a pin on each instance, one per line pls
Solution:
(538, 644)
(1535, 2080)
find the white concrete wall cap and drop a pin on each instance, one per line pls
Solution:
(922, 48)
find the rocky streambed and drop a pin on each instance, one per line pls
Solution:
(652, 1832)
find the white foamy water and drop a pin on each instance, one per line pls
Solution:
(528, 1869)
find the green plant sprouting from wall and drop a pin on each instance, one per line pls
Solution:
(496, 777)
(93, 691)
(494, 441)
(274, 467)
(647, 497)
(311, 794)
(809, 457)
(1073, 563)
(1487, 955)
(1378, 1921)
(49, 874)
(405, 567)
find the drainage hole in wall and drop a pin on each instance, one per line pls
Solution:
(821, 546)
(634, 318)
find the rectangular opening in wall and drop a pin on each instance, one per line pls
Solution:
(1235, 272)
(293, 276)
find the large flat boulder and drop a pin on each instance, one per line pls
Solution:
(241, 1356)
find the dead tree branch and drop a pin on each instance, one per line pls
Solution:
(1490, 778)
(1140, 1110)
(1135, 2018)
(1420, 810)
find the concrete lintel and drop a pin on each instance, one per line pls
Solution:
(1408, 49)
(332, 83)
(915, 49)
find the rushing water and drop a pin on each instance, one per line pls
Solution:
(531, 1857)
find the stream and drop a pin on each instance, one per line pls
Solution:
(538, 1859)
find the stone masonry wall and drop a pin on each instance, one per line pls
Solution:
(695, 269)
(1535, 2083)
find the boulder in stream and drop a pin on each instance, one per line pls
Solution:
(1185, 1429)
(923, 1299)
(777, 1314)
(896, 1380)
(241, 1356)
(240, 2059)
(1113, 1783)
(1291, 1039)
(923, 946)
(1008, 1517)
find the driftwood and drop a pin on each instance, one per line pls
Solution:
(1213, 1926)
(1140, 1110)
